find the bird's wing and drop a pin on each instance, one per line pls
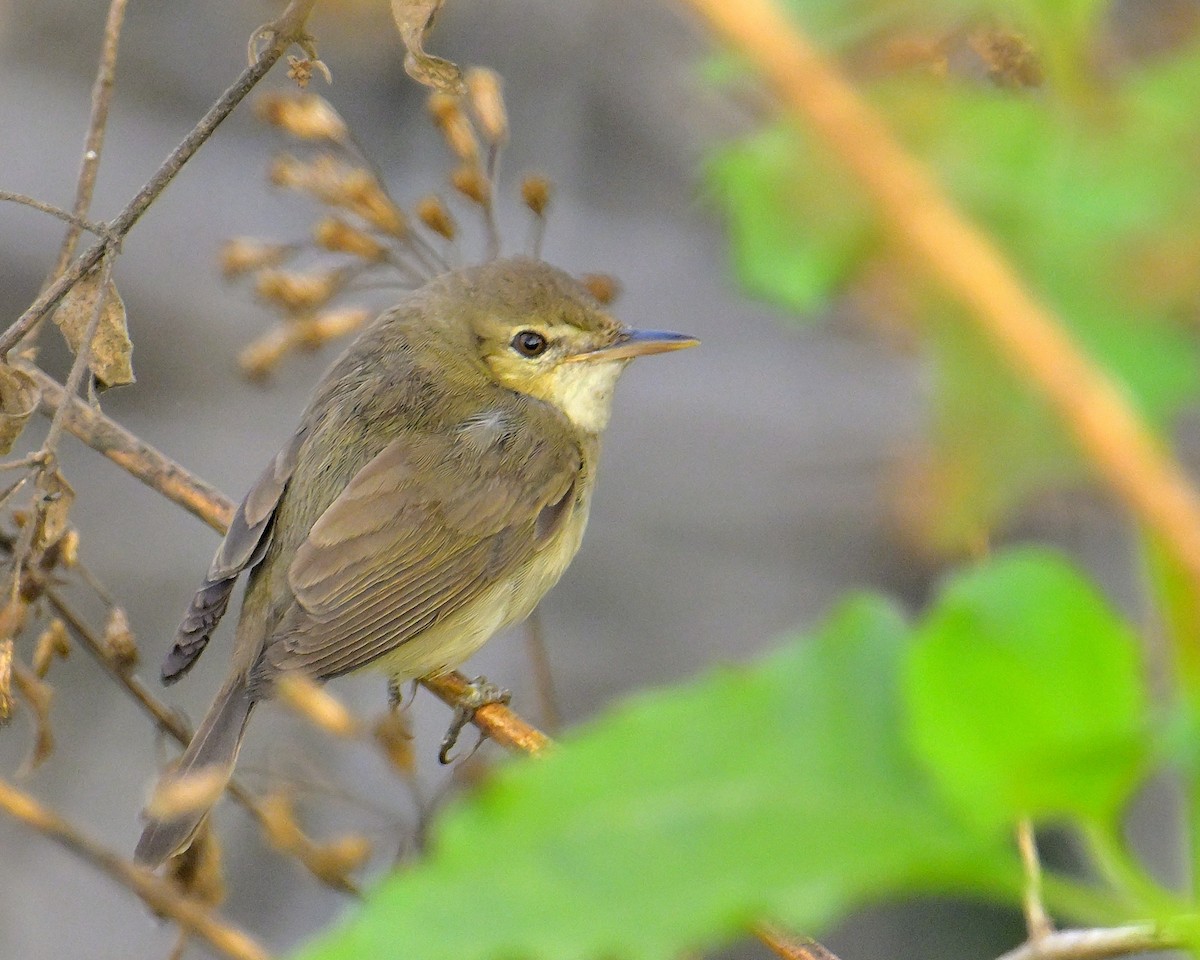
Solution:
(245, 542)
(424, 528)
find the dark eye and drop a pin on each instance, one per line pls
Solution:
(529, 343)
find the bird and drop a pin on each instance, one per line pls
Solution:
(437, 486)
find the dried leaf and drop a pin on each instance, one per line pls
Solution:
(110, 359)
(56, 498)
(119, 643)
(19, 397)
(52, 643)
(38, 696)
(414, 19)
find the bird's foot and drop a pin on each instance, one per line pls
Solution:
(395, 691)
(482, 692)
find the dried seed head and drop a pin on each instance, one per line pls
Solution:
(279, 823)
(68, 549)
(316, 705)
(297, 292)
(6, 670)
(363, 196)
(120, 646)
(286, 171)
(603, 286)
(243, 254)
(334, 860)
(197, 870)
(535, 193)
(176, 796)
(52, 643)
(395, 739)
(487, 102)
(338, 236)
(472, 184)
(442, 106)
(432, 212)
(301, 69)
(314, 332)
(259, 358)
(303, 115)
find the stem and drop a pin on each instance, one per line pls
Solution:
(970, 267)
(157, 893)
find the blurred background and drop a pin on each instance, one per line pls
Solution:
(745, 485)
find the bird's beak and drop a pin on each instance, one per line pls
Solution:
(636, 343)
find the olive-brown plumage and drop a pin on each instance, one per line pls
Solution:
(437, 487)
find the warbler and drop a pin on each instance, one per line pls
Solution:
(437, 486)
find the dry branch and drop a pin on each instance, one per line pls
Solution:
(971, 268)
(158, 894)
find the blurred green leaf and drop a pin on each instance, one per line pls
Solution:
(779, 790)
(1088, 186)
(1026, 696)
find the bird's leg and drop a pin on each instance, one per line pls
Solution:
(482, 692)
(395, 689)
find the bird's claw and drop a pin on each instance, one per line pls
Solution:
(482, 692)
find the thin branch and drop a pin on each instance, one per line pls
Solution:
(495, 719)
(288, 28)
(170, 722)
(158, 894)
(543, 676)
(1037, 921)
(1094, 944)
(788, 948)
(99, 229)
(133, 455)
(1094, 409)
(93, 144)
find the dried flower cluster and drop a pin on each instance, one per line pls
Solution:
(375, 241)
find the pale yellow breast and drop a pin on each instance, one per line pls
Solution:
(454, 639)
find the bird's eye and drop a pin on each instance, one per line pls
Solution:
(529, 343)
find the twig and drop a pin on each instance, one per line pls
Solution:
(133, 455)
(1094, 944)
(89, 165)
(543, 676)
(167, 720)
(289, 28)
(787, 948)
(961, 256)
(99, 229)
(495, 719)
(157, 893)
(1037, 922)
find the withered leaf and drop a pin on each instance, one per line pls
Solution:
(6, 663)
(57, 497)
(38, 696)
(413, 20)
(19, 397)
(120, 645)
(53, 642)
(111, 356)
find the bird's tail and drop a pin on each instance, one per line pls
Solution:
(213, 748)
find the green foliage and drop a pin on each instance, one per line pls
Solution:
(868, 761)
(1086, 184)
(1026, 694)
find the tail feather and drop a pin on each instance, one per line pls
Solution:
(214, 747)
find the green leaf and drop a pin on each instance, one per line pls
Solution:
(1025, 694)
(796, 236)
(778, 790)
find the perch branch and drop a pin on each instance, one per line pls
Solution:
(971, 268)
(1094, 944)
(158, 894)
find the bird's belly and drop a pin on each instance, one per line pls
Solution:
(456, 637)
